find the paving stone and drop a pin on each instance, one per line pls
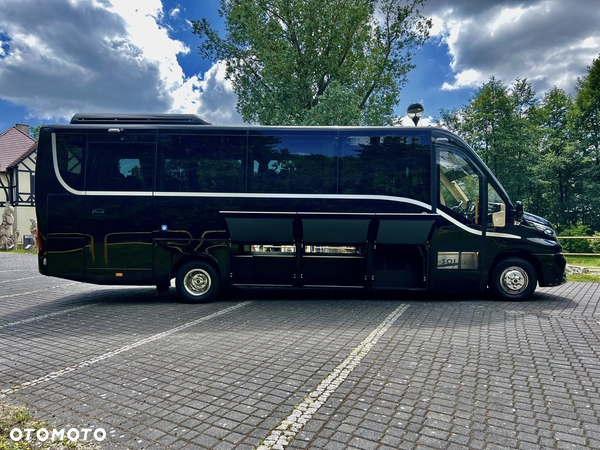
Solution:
(448, 373)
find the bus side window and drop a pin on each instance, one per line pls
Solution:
(496, 209)
(69, 149)
(201, 163)
(120, 166)
(293, 163)
(386, 165)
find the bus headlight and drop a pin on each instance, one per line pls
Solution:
(548, 231)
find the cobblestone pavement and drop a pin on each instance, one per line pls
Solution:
(302, 370)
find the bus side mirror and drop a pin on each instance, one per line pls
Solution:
(518, 213)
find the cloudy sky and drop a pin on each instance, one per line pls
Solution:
(60, 57)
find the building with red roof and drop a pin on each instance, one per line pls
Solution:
(17, 178)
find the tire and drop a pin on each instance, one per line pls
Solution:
(513, 279)
(197, 282)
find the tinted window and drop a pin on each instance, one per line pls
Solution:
(459, 184)
(386, 165)
(69, 152)
(202, 163)
(293, 162)
(496, 208)
(121, 161)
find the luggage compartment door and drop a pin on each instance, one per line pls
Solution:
(401, 253)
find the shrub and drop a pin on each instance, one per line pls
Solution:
(595, 243)
(577, 245)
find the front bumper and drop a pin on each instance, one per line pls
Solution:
(552, 268)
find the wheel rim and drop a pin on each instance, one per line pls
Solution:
(514, 280)
(197, 282)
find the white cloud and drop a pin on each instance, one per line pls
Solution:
(438, 27)
(465, 79)
(211, 97)
(506, 17)
(549, 42)
(406, 121)
(102, 56)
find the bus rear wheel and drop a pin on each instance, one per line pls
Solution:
(197, 282)
(513, 279)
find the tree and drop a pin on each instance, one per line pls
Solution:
(587, 111)
(485, 120)
(559, 164)
(34, 132)
(294, 62)
(524, 136)
(587, 125)
(451, 119)
(496, 124)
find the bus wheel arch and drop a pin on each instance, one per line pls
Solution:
(513, 278)
(197, 280)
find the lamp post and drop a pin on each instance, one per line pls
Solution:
(415, 112)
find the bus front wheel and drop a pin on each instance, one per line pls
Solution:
(197, 282)
(513, 279)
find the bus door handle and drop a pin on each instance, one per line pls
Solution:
(97, 212)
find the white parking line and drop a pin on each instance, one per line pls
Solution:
(38, 290)
(287, 429)
(20, 279)
(45, 316)
(89, 362)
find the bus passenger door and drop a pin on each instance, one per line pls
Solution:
(460, 237)
(119, 207)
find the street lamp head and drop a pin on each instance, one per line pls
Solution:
(415, 112)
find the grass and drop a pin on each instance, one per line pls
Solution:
(18, 417)
(31, 251)
(581, 277)
(587, 261)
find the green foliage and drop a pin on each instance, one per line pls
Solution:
(583, 278)
(293, 62)
(587, 111)
(595, 243)
(576, 245)
(586, 261)
(34, 132)
(558, 169)
(586, 118)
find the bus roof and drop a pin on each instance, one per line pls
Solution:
(108, 119)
